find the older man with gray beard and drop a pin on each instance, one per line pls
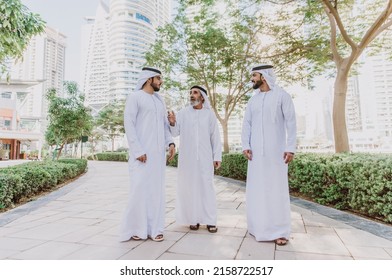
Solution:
(199, 152)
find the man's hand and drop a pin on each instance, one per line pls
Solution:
(172, 152)
(217, 164)
(171, 117)
(142, 158)
(248, 154)
(287, 156)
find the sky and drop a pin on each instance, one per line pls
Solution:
(66, 16)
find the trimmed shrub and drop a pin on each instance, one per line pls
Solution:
(78, 166)
(173, 162)
(26, 180)
(112, 156)
(233, 166)
(8, 184)
(360, 183)
(357, 182)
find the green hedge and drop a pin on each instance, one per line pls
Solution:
(357, 182)
(233, 166)
(25, 180)
(111, 156)
(174, 161)
(122, 156)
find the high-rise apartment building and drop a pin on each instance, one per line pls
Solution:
(376, 90)
(44, 59)
(23, 103)
(382, 70)
(353, 106)
(117, 39)
(95, 58)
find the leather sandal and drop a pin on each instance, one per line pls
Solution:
(194, 227)
(157, 238)
(281, 241)
(212, 229)
(135, 237)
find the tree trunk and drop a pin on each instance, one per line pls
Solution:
(225, 136)
(61, 148)
(339, 112)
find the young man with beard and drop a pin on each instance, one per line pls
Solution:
(199, 152)
(269, 143)
(148, 135)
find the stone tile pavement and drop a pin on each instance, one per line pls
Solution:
(81, 220)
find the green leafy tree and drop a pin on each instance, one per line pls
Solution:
(95, 137)
(348, 40)
(217, 46)
(302, 38)
(330, 35)
(68, 118)
(111, 120)
(212, 49)
(17, 26)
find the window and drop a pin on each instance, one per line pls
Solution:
(6, 95)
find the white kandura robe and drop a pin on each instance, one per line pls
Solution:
(268, 117)
(147, 131)
(200, 146)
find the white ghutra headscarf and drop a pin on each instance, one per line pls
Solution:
(203, 92)
(145, 74)
(268, 73)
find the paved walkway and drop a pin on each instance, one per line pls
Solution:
(81, 221)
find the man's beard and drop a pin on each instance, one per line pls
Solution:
(195, 102)
(257, 84)
(155, 87)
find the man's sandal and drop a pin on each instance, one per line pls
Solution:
(157, 238)
(194, 227)
(281, 241)
(212, 229)
(135, 237)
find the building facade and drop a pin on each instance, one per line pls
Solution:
(353, 106)
(44, 60)
(114, 45)
(375, 84)
(18, 131)
(95, 58)
(23, 103)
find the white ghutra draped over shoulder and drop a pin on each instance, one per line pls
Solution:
(269, 130)
(148, 133)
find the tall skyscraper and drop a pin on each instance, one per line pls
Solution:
(353, 106)
(376, 88)
(95, 58)
(383, 95)
(44, 60)
(117, 39)
(23, 103)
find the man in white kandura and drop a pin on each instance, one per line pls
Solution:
(148, 135)
(269, 143)
(199, 152)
